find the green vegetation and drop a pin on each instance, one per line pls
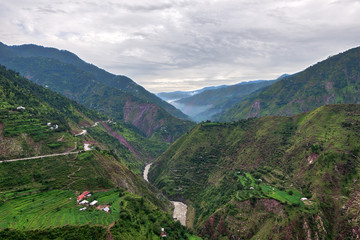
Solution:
(131, 216)
(116, 96)
(332, 81)
(38, 196)
(253, 173)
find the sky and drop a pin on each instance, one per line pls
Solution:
(170, 45)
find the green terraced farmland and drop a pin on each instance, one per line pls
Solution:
(56, 208)
(282, 196)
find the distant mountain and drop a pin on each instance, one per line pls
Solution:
(113, 95)
(117, 81)
(334, 80)
(177, 95)
(272, 177)
(208, 102)
(35, 122)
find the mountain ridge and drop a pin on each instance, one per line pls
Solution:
(331, 81)
(83, 87)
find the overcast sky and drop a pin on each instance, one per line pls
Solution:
(168, 45)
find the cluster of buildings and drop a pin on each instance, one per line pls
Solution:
(82, 201)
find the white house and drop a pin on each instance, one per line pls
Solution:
(106, 209)
(93, 203)
(20, 108)
(82, 209)
(84, 202)
(48, 124)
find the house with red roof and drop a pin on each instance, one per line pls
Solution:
(82, 196)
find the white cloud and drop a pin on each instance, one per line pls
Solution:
(173, 45)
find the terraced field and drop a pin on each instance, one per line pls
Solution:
(21, 121)
(248, 187)
(56, 208)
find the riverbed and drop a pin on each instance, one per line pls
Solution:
(180, 209)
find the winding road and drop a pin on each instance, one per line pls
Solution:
(180, 209)
(43, 156)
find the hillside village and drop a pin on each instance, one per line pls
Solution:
(81, 200)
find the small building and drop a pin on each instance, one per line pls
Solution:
(82, 196)
(82, 209)
(251, 188)
(48, 124)
(93, 203)
(163, 233)
(20, 108)
(84, 202)
(304, 199)
(106, 209)
(56, 126)
(88, 195)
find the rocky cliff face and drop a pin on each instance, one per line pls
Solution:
(143, 116)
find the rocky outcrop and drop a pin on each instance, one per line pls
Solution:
(143, 116)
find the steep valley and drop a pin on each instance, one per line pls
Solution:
(52, 149)
(269, 178)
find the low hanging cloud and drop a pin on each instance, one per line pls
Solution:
(168, 45)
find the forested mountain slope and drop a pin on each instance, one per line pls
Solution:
(65, 73)
(270, 177)
(118, 81)
(38, 196)
(332, 81)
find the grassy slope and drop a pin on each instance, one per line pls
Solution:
(34, 195)
(332, 81)
(117, 96)
(315, 155)
(121, 82)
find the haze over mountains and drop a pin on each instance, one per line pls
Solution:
(283, 163)
(204, 104)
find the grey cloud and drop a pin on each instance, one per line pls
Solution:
(169, 44)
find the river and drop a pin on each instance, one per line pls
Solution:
(146, 171)
(180, 209)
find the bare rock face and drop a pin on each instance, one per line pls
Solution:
(143, 116)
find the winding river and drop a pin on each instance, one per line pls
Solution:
(180, 209)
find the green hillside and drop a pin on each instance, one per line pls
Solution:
(38, 196)
(207, 104)
(112, 95)
(332, 81)
(245, 180)
(118, 81)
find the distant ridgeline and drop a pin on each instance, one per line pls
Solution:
(269, 178)
(38, 195)
(332, 81)
(207, 104)
(117, 96)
